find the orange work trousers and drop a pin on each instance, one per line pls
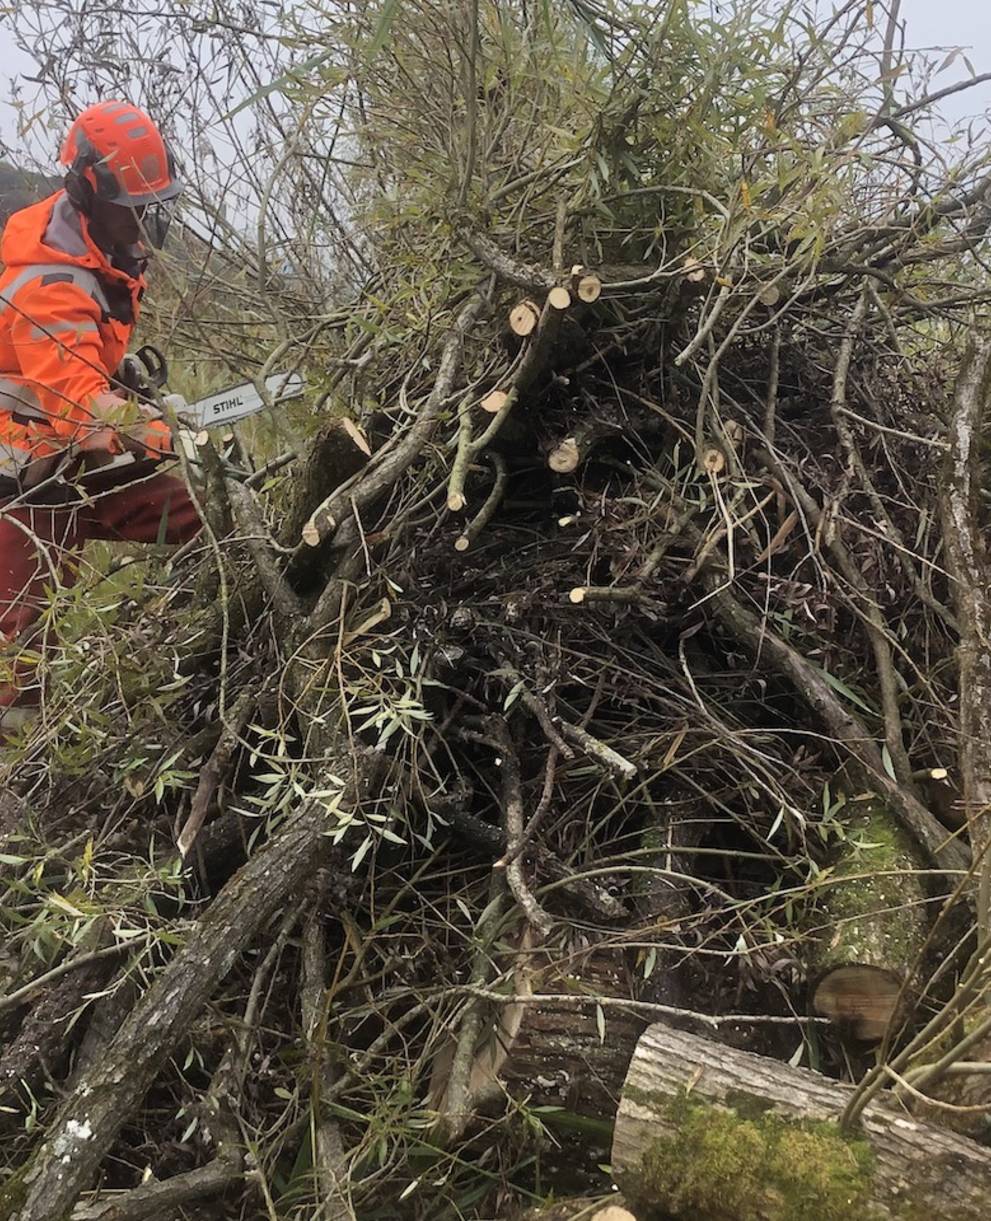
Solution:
(40, 546)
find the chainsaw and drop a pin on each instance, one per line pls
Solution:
(144, 376)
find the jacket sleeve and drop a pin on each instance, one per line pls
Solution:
(56, 338)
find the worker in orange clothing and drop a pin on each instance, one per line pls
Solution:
(76, 452)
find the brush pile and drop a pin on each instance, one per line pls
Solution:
(606, 650)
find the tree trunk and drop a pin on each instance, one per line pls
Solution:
(338, 451)
(710, 1133)
(575, 1059)
(872, 924)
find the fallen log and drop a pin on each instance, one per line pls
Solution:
(714, 1134)
(553, 1054)
(107, 1094)
(574, 1059)
(959, 1084)
(873, 922)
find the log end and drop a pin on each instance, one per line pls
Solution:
(310, 534)
(860, 999)
(355, 436)
(589, 289)
(523, 318)
(494, 401)
(559, 298)
(564, 457)
(872, 924)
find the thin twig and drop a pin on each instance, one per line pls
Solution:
(512, 810)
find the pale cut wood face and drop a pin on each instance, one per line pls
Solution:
(860, 998)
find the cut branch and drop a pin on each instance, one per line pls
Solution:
(106, 1096)
(329, 1156)
(523, 318)
(512, 806)
(214, 770)
(485, 514)
(524, 275)
(967, 560)
(336, 455)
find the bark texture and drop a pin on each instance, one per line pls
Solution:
(576, 1059)
(86, 1126)
(710, 1133)
(871, 925)
(967, 561)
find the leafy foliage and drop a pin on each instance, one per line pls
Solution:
(787, 265)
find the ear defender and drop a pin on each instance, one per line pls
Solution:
(78, 186)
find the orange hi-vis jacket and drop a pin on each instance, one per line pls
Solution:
(66, 319)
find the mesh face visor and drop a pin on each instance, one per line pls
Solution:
(155, 220)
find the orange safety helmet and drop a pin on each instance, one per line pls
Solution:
(114, 152)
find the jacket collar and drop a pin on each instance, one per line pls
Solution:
(68, 230)
(52, 231)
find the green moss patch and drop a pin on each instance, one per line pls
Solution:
(720, 1165)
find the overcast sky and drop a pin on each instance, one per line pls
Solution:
(950, 23)
(931, 25)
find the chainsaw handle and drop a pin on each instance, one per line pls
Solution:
(155, 365)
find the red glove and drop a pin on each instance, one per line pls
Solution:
(151, 439)
(148, 437)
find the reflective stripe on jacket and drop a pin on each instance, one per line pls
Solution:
(66, 319)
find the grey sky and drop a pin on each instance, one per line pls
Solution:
(932, 25)
(949, 23)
